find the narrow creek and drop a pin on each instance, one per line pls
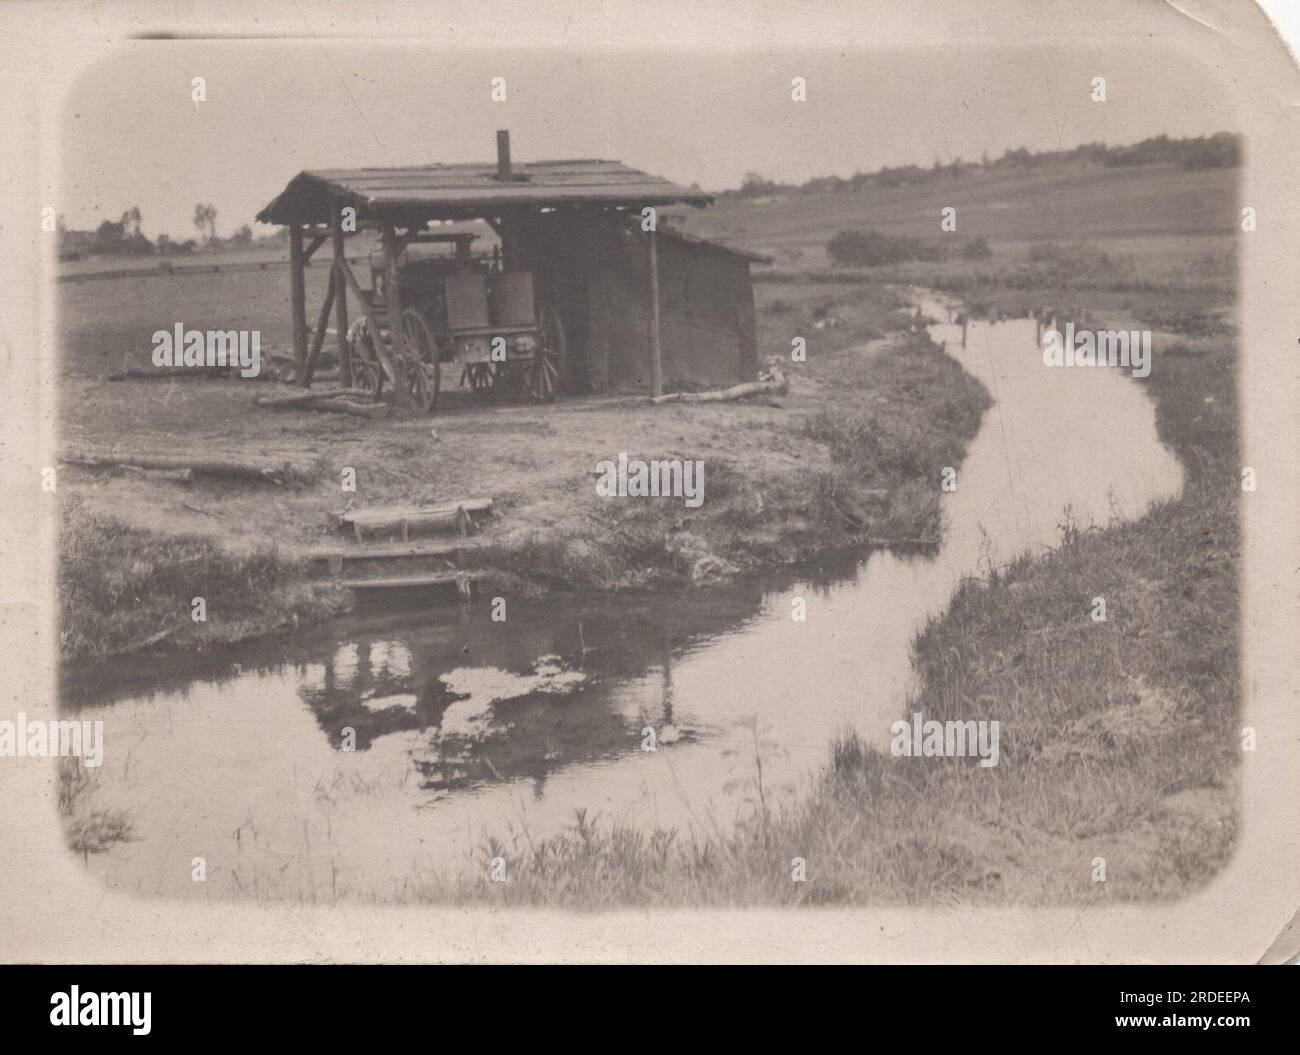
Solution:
(466, 729)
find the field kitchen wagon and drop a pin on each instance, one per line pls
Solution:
(576, 296)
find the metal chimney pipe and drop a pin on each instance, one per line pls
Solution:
(503, 156)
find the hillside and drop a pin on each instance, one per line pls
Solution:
(1059, 203)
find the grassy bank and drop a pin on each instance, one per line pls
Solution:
(122, 589)
(887, 421)
(848, 454)
(1119, 739)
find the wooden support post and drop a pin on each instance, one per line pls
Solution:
(354, 285)
(341, 304)
(297, 298)
(401, 382)
(316, 243)
(656, 361)
(318, 338)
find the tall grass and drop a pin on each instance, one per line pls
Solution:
(120, 586)
(1118, 738)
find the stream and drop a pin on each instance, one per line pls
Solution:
(462, 728)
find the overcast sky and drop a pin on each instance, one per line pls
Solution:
(131, 135)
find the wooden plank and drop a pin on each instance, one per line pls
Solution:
(318, 337)
(341, 304)
(389, 550)
(399, 358)
(460, 580)
(365, 296)
(656, 352)
(297, 297)
(450, 516)
(316, 243)
(385, 514)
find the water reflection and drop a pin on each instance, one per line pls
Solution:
(362, 756)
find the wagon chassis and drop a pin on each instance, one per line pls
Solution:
(523, 351)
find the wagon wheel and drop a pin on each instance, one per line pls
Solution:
(367, 372)
(542, 374)
(423, 364)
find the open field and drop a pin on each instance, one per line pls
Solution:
(1056, 204)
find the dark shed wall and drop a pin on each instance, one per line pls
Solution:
(706, 313)
(598, 273)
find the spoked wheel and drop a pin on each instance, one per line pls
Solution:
(423, 349)
(481, 377)
(367, 372)
(542, 374)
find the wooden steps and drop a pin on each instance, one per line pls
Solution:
(448, 516)
(440, 556)
(447, 549)
(461, 580)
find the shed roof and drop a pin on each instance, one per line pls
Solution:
(450, 191)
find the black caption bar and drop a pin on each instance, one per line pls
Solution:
(341, 1003)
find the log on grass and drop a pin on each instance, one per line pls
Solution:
(171, 373)
(776, 384)
(302, 399)
(183, 476)
(346, 406)
(275, 470)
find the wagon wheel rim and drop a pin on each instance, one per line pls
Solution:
(367, 373)
(425, 379)
(543, 375)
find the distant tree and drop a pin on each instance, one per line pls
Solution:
(205, 220)
(242, 238)
(164, 243)
(755, 186)
(131, 224)
(108, 237)
(133, 239)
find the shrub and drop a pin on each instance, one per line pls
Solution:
(872, 249)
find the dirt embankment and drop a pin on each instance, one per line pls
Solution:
(851, 453)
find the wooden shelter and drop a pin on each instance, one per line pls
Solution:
(640, 308)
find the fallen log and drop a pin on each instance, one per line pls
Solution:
(774, 385)
(183, 476)
(302, 399)
(172, 373)
(277, 470)
(357, 410)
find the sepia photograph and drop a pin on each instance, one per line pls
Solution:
(827, 464)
